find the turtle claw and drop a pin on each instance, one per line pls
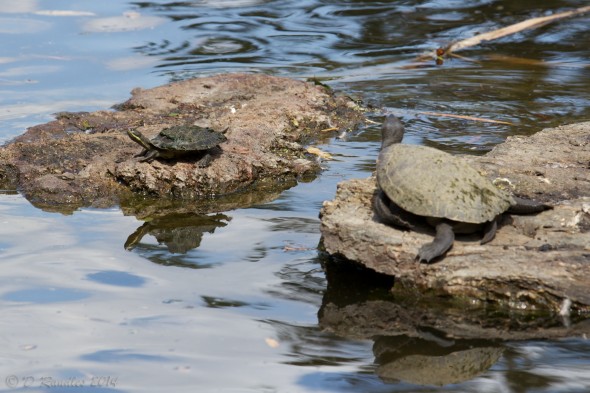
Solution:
(428, 252)
(442, 242)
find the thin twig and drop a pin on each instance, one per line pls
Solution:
(465, 117)
(499, 33)
(439, 114)
(515, 28)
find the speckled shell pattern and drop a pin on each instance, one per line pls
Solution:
(187, 138)
(431, 183)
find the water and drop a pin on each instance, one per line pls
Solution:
(239, 313)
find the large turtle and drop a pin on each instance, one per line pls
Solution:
(178, 141)
(419, 181)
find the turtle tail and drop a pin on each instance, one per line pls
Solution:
(527, 206)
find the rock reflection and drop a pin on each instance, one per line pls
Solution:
(309, 346)
(296, 224)
(217, 302)
(364, 304)
(422, 340)
(179, 232)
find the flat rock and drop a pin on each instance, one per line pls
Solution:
(535, 262)
(86, 159)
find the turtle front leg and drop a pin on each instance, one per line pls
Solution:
(149, 155)
(443, 240)
(141, 153)
(205, 160)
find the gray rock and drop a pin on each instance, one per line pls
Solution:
(535, 261)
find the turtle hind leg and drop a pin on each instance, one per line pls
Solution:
(489, 231)
(207, 156)
(443, 240)
(526, 206)
(390, 213)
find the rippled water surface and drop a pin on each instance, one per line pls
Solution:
(98, 301)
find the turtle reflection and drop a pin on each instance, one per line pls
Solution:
(179, 232)
(416, 340)
(432, 360)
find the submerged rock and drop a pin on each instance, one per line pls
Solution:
(536, 261)
(87, 159)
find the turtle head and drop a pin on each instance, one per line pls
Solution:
(138, 137)
(392, 131)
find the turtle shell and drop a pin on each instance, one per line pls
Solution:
(432, 183)
(444, 369)
(187, 138)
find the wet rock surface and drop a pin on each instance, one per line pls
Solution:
(535, 261)
(87, 159)
(359, 304)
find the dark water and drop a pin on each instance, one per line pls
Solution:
(229, 303)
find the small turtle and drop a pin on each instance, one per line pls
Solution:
(178, 141)
(419, 181)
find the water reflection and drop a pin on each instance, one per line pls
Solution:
(117, 278)
(20, 26)
(298, 224)
(119, 355)
(350, 307)
(21, 6)
(129, 21)
(178, 237)
(178, 232)
(45, 295)
(431, 361)
(429, 342)
(309, 346)
(216, 302)
(367, 46)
